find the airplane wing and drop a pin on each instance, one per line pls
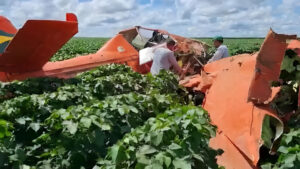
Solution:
(35, 43)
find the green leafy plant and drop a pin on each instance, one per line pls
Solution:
(73, 124)
(286, 104)
(289, 151)
(175, 139)
(79, 46)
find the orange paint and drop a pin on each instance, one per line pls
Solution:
(43, 38)
(7, 26)
(230, 82)
(237, 88)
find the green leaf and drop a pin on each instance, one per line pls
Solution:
(19, 155)
(185, 123)
(62, 97)
(288, 65)
(2, 132)
(160, 98)
(121, 111)
(133, 109)
(163, 159)
(21, 120)
(140, 166)
(25, 167)
(167, 161)
(266, 166)
(86, 122)
(118, 154)
(181, 164)
(154, 166)
(156, 138)
(288, 138)
(72, 127)
(35, 126)
(197, 156)
(142, 159)
(267, 134)
(146, 149)
(290, 158)
(105, 127)
(283, 149)
(64, 114)
(174, 146)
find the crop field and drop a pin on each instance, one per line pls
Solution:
(238, 45)
(114, 118)
(81, 46)
(102, 119)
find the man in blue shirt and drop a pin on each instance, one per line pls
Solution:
(222, 51)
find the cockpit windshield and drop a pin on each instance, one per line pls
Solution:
(141, 38)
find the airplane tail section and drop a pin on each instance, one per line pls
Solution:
(7, 32)
(35, 43)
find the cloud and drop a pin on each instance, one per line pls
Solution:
(185, 17)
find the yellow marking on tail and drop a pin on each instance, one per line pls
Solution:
(5, 39)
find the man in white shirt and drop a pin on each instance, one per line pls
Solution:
(222, 51)
(164, 58)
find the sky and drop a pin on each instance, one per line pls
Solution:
(190, 18)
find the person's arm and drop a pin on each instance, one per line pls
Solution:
(174, 63)
(217, 56)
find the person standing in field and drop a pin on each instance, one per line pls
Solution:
(222, 50)
(164, 58)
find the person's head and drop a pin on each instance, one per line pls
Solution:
(171, 44)
(218, 41)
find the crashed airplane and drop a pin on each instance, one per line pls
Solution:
(43, 38)
(238, 85)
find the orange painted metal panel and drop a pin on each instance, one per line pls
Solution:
(227, 83)
(232, 154)
(116, 50)
(35, 43)
(239, 120)
(294, 44)
(7, 26)
(267, 68)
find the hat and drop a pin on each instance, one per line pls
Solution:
(218, 38)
